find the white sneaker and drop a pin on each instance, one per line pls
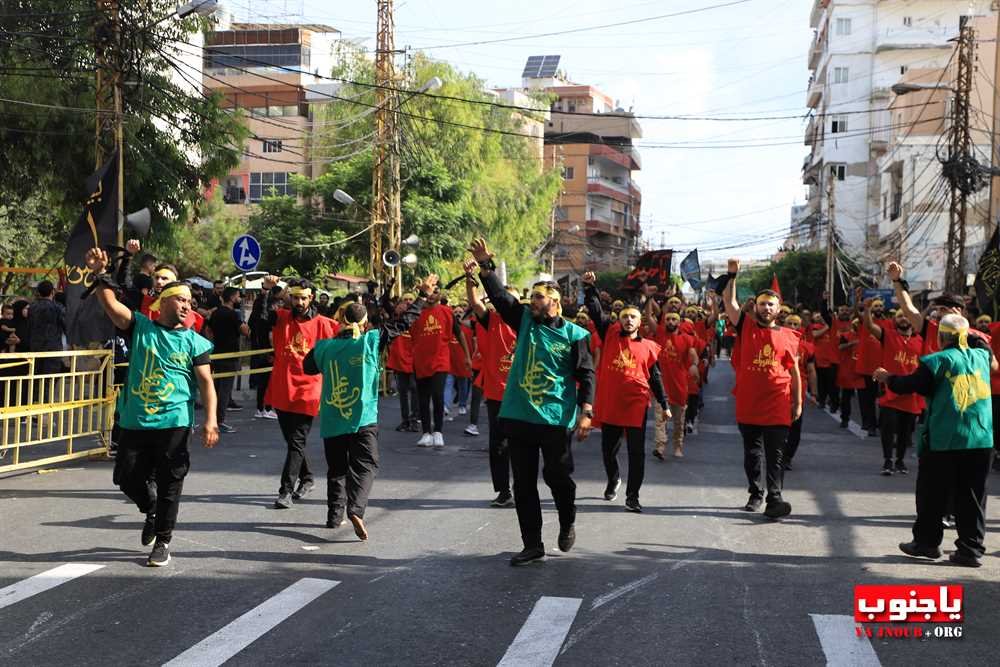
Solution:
(260, 414)
(426, 440)
(438, 439)
(270, 414)
(471, 429)
(462, 410)
(694, 429)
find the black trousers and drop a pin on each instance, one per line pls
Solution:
(554, 442)
(431, 389)
(827, 381)
(475, 400)
(996, 422)
(295, 429)
(794, 438)
(763, 453)
(846, 397)
(224, 386)
(896, 428)
(499, 450)
(693, 405)
(961, 475)
(352, 463)
(611, 442)
(867, 398)
(261, 385)
(406, 385)
(163, 454)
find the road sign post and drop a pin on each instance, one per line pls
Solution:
(246, 253)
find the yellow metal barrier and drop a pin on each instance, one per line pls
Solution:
(43, 416)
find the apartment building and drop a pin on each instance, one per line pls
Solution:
(859, 50)
(590, 138)
(270, 71)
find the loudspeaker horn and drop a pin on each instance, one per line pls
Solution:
(138, 222)
(391, 258)
(412, 239)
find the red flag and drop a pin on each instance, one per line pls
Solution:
(774, 284)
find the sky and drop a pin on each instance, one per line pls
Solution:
(722, 186)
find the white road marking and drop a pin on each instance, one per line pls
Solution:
(851, 426)
(718, 428)
(538, 642)
(233, 638)
(841, 645)
(43, 581)
(618, 592)
(716, 399)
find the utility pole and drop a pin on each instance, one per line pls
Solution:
(829, 240)
(109, 135)
(386, 211)
(960, 146)
(994, 161)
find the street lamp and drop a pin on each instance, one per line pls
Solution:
(904, 88)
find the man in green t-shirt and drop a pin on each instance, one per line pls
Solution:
(956, 444)
(351, 365)
(157, 406)
(549, 393)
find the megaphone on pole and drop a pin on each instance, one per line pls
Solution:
(391, 258)
(138, 222)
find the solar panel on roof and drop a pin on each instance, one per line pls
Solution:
(532, 67)
(549, 66)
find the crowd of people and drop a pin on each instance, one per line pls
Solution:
(548, 368)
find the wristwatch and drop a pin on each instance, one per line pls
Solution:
(589, 414)
(487, 265)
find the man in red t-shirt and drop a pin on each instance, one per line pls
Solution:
(768, 392)
(869, 358)
(901, 351)
(849, 381)
(986, 325)
(400, 362)
(807, 371)
(678, 367)
(292, 393)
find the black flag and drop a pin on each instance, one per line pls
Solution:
(988, 278)
(86, 324)
(653, 268)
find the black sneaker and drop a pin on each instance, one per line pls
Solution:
(234, 406)
(658, 454)
(873, 433)
(529, 555)
(567, 538)
(148, 530)
(305, 488)
(503, 499)
(611, 490)
(844, 424)
(402, 426)
(948, 521)
(633, 506)
(159, 556)
(777, 509)
(919, 550)
(283, 502)
(965, 560)
(753, 505)
(901, 468)
(787, 465)
(226, 428)
(887, 468)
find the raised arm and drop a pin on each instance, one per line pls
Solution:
(729, 302)
(866, 319)
(916, 318)
(508, 307)
(119, 314)
(592, 301)
(471, 293)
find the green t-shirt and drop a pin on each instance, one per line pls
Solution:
(960, 411)
(160, 389)
(351, 369)
(541, 388)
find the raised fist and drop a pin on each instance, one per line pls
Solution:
(479, 250)
(733, 265)
(133, 246)
(97, 261)
(895, 271)
(589, 278)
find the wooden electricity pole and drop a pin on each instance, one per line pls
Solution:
(829, 239)
(109, 135)
(386, 213)
(959, 149)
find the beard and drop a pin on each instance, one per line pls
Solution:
(298, 311)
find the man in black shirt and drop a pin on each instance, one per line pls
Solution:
(226, 327)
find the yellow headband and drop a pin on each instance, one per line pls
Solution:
(357, 327)
(984, 318)
(632, 309)
(550, 292)
(786, 309)
(176, 290)
(767, 297)
(793, 319)
(165, 272)
(672, 316)
(410, 295)
(300, 291)
(962, 333)
(878, 302)
(673, 300)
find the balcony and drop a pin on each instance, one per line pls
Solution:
(815, 93)
(904, 37)
(816, 48)
(600, 226)
(817, 12)
(624, 156)
(622, 125)
(811, 131)
(605, 187)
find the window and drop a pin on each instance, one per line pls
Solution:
(270, 184)
(572, 107)
(272, 145)
(839, 124)
(568, 173)
(840, 74)
(908, 21)
(885, 206)
(258, 111)
(843, 26)
(837, 171)
(902, 69)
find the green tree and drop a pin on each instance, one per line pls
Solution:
(801, 276)
(457, 182)
(204, 245)
(176, 139)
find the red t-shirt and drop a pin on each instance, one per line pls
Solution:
(401, 354)
(290, 389)
(457, 354)
(931, 336)
(699, 345)
(623, 379)
(763, 378)
(870, 349)
(847, 375)
(901, 356)
(807, 353)
(498, 355)
(432, 333)
(193, 321)
(995, 346)
(675, 361)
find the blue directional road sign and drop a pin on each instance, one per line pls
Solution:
(246, 253)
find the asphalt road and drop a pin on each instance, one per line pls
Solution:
(692, 580)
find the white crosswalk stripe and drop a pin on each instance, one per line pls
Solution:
(44, 581)
(841, 645)
(537, 644)
(233, 638)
